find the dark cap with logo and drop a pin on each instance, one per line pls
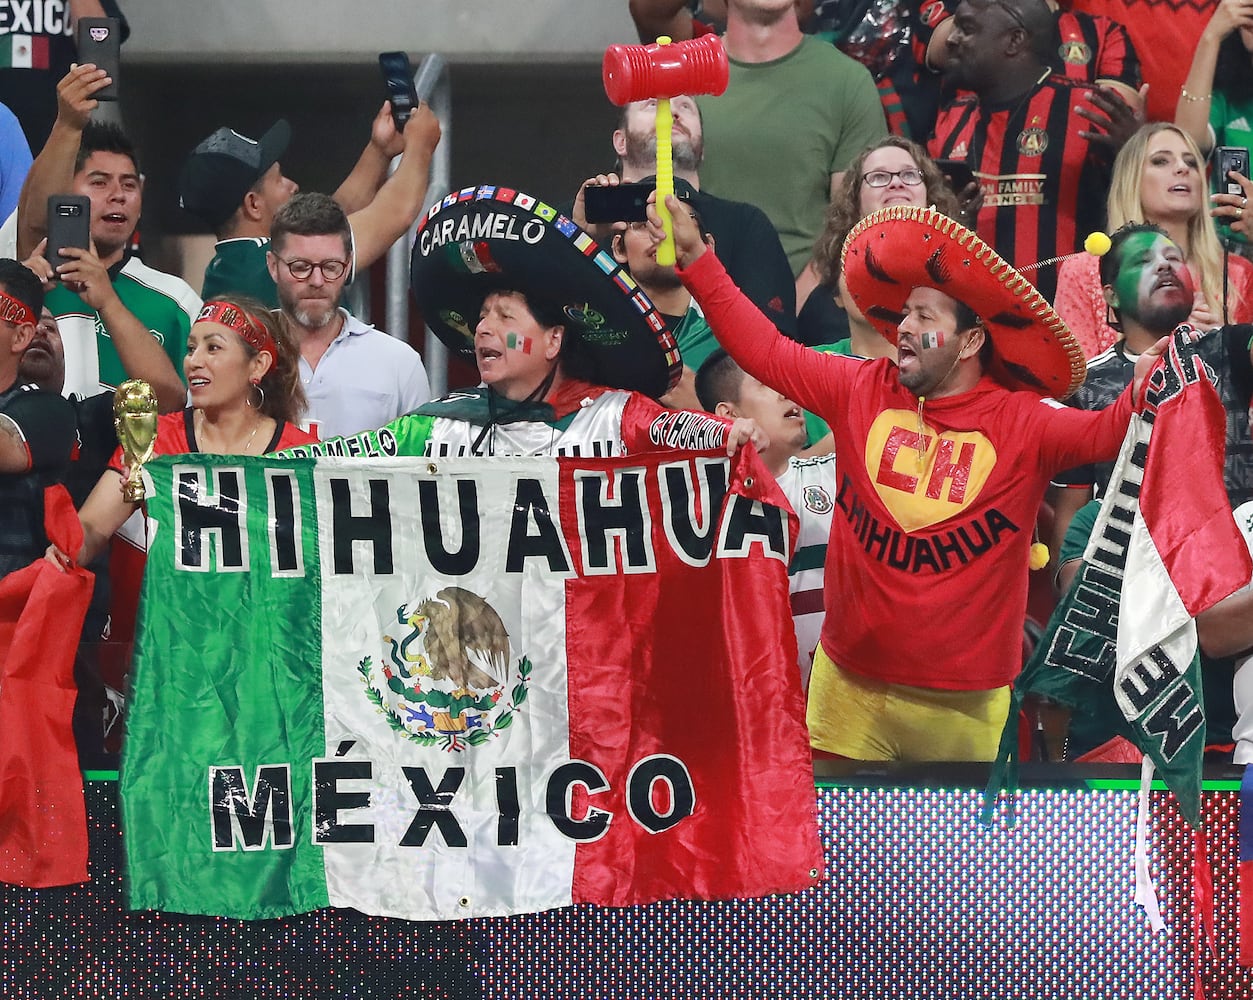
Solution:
(222, 169)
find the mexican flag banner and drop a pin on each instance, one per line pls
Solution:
(1122, 644)
(436, 689)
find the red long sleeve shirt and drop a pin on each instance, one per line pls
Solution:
(926, 572)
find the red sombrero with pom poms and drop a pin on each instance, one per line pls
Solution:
(897, 249)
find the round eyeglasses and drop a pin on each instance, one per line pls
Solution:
(301, 269)
(882, 178)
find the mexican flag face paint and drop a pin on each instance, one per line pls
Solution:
(518, 342)
(931, 339)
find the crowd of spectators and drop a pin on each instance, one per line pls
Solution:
(1029, 123)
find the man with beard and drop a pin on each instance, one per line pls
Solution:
(943, 459)
(1042, 158)
(1149, 288)
(355, 376)
(747, 242)
(1147, 285)
(36, 426)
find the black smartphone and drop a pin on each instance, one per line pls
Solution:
(100, 42)
(69, 225)
(621, 203)
(958, 172)
(1228, 158)
(398, 76)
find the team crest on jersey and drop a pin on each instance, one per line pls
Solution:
(817, 500)
(1075, 52)
(1033, 141)
(447, 681)
(924, 476)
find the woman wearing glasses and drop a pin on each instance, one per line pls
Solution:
(894, 171)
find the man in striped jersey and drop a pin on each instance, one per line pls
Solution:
(1041, 146)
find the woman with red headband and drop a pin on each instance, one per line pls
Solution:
(243, 379)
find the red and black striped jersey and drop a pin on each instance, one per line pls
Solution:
(1044, 185)
(1086, 47)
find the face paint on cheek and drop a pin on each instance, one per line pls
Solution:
(517, 342)
(931, 339)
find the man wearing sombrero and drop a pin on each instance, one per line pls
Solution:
(944, 458)
(571, 353)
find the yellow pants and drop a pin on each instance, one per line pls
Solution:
(858, 717)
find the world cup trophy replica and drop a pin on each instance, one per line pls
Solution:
(135, 419)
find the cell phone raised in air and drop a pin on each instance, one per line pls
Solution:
(69, 225)
(398, 76)
(1226, 159)
(100, 41)
(617, 203)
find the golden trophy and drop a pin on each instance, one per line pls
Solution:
(135, 419)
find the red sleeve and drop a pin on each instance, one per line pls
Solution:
(1070, 437)
(1117, 58)
(818, 382)
(649, 426)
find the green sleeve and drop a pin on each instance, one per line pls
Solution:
(405, 436)
(1079, 531)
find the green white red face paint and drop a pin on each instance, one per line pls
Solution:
(517, 342)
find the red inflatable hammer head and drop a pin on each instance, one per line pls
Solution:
(641, 72)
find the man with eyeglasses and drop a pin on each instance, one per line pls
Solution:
(1041, 146)
(355, 376)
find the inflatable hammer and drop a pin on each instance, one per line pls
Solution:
(662, 71)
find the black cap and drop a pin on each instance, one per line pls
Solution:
(222, 169)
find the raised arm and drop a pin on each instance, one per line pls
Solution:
(399, 201)
(53, 169)
(370, 171)
(1192, 112)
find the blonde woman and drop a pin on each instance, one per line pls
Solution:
(1159, 178)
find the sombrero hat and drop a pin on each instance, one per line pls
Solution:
(897, 249)
(481, 238)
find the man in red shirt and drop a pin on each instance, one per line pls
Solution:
(944, 458)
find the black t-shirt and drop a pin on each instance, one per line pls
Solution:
(46, 424)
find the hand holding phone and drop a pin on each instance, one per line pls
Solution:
(398, 77)
(69, 225)
(616, 203)
(1226, 160)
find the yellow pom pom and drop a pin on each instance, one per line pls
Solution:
(1039, 557)
(1097, 244)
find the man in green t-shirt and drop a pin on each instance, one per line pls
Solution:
(107, 287)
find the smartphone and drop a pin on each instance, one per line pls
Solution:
(623, 203)
(958, 172)
(1227, 158)
(100, 42)
(69, 225)
(398, 76)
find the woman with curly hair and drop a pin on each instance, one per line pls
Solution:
(894, 171)
(1158, 178)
